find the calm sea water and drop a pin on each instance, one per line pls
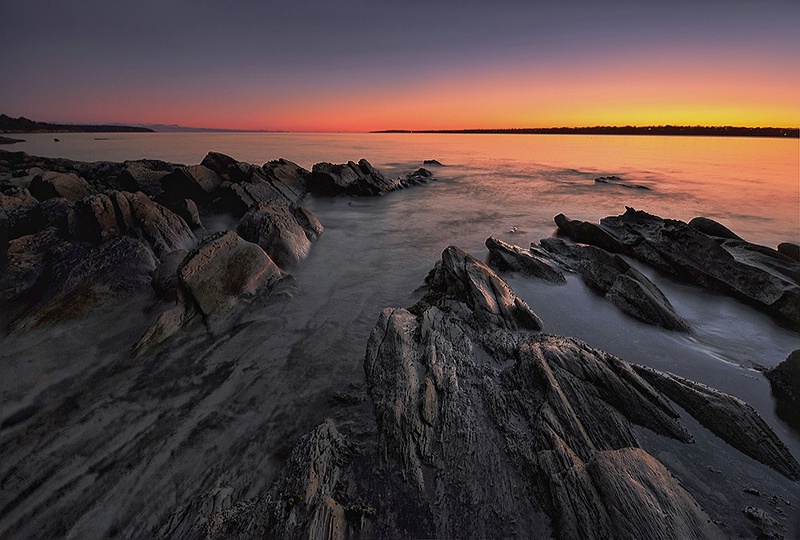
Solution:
(270, 380)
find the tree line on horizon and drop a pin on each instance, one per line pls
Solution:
(708, 131)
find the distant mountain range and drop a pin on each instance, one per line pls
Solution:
(25, 125)
(702, 131)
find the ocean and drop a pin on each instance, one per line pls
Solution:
(220, 403)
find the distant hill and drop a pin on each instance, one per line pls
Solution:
(700, 131)
(25, 125)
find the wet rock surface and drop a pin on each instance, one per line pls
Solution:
(509, 258)
(359, 179)
(757, 275)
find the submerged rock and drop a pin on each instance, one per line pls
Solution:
(755, 274)
(617, 181)
(785, 381)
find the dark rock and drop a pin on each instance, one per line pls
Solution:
(712, 228)
(790, 250)
(144, 176)
(785, 381)
(187, 209)
(121, 213)
(768, 528)
(610, 276)
(165, 278)
(195, 182)
(757, 275)
(617, 181)
(587, 233)
(306, 501)
(218, 163)
(54, 184)
(10, 140)
(461, 278)
(432, 162)
(284, 232)
(728, 417)
(350, 178)
(279, 180)
(508, 258)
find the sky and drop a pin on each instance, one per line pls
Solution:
(360, 65)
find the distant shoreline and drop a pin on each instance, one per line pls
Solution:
(25, 125)
(694, 131)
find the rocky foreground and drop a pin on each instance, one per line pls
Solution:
(471, 421)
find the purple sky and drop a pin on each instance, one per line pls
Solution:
(349, 65)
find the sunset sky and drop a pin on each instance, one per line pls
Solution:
(410, 64)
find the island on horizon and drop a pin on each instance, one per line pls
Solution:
(25, 125)
(697, 131)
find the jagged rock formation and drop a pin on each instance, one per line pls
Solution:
(785, 381)
(489, 299)
(758, 275)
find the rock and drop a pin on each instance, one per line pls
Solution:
(432, 162)
(54, 184)
(165, 278)
(768, 528)
(712, 228)
(222, 273)
(224, 269)
(508, 434)
(306, 501)
(728, 417)
(785, 381)
(195, 182)
(587, 233)
(279, 180)
(361, 179)
(46, 278)
(754, 274)
(104, 216)
(508, 258)
(16, 198)
(610, 276)
(461, 278)
(144, 176)
(187, 209)
(617, 181)
(790, 250)
(217, 162)
(284, 232)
